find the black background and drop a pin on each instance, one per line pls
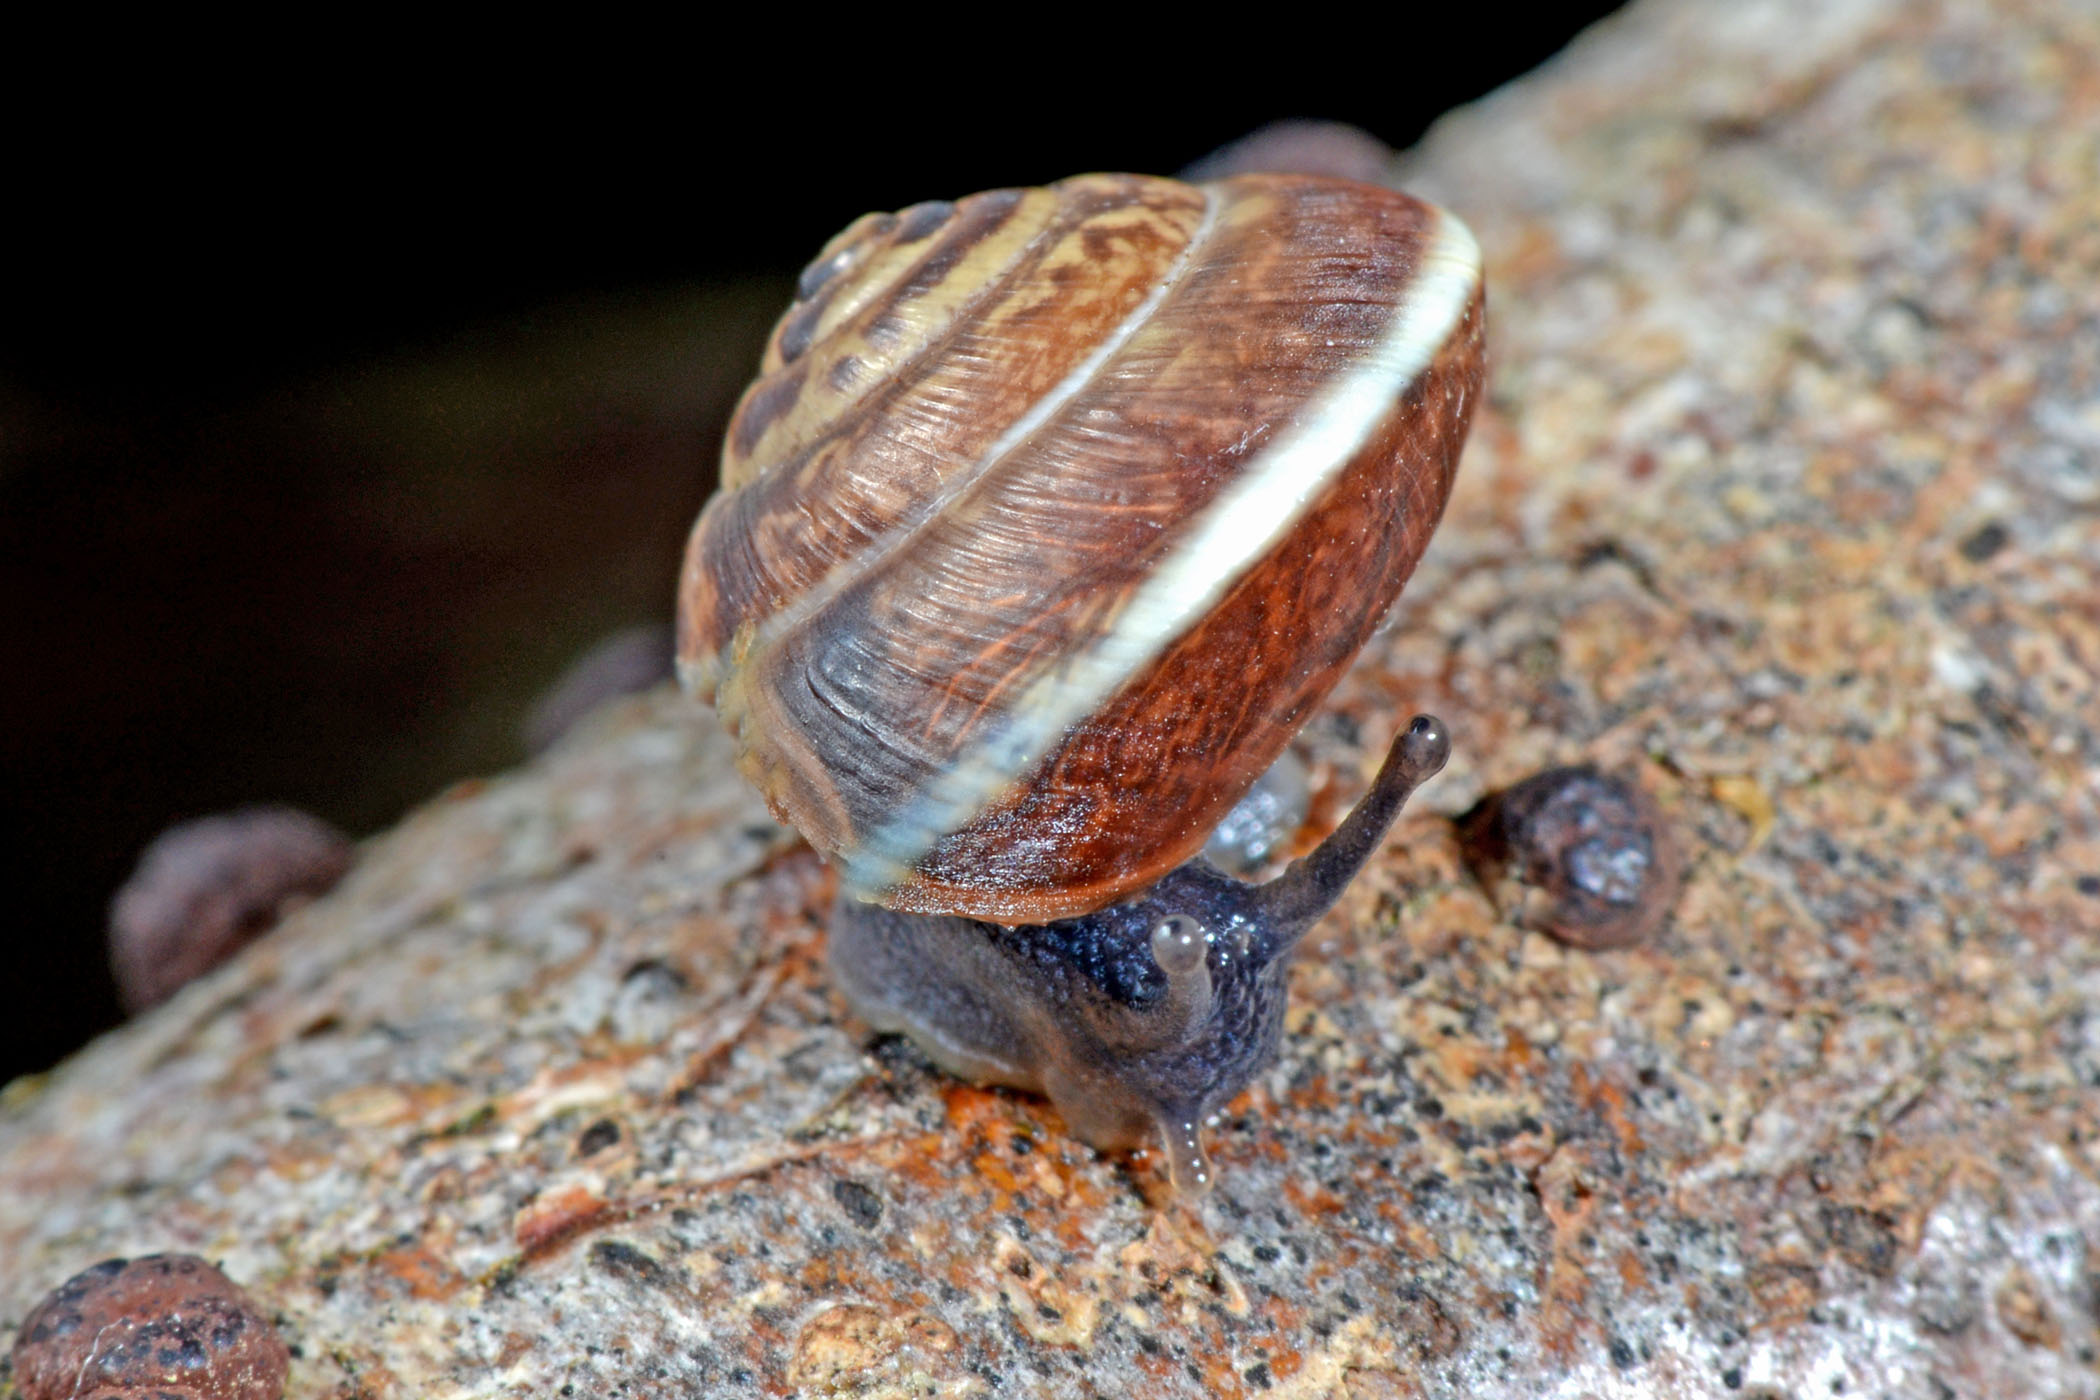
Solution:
(337, 412)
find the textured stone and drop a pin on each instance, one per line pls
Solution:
(1785, 501)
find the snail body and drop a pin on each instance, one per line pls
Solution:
(1141, 1019)
(1051, 516)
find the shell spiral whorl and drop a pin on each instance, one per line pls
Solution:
(1054, 512)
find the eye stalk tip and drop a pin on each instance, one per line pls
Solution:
(1423, 749)
(1179, 945)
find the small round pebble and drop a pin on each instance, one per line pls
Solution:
(139, 1329)
(1595, 859)
(1299, 147)
(625, 663)
(207, 888)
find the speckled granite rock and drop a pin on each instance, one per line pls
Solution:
(1787, 501)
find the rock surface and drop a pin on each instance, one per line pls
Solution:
(1786, 500)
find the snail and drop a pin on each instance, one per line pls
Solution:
(206, 888)
(1052, 515)
(1581, 854)
(163, 1325)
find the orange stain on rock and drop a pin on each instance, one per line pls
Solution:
(416, 1268)
(1567, 1197)
(1609, 1100)
(992, 1169)
(1316, 1093)
(980, 1112)
(554, 1215)
(1315, 1200)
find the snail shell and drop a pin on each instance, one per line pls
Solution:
(1593, 860)
(1054, 513)
(165, 1325)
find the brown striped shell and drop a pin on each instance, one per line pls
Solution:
(1054, 512)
